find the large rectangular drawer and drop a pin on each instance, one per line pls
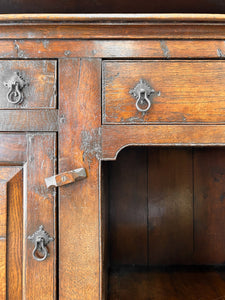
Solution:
(188, 91)
(28, 84)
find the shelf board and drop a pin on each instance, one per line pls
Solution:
(173, 284)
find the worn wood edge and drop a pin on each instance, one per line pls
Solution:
(160, 135)
(29, 120)
(115, 155)
(156, 49)
(150, 29)
(107, 17)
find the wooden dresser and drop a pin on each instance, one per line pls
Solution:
(112, 157)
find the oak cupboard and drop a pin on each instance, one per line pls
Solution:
(112, 158)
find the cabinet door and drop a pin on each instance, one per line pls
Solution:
(25, 204)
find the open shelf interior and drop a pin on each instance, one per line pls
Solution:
(163, 219)
(195, 284)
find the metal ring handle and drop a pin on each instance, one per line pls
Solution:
(141, 100)
(142, 92)
(14, 95)
(39, 247)
(15, 84)
(40, 239)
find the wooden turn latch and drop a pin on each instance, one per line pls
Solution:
(66, 178)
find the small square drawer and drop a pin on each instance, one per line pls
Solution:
(159, 91)
(28, 84)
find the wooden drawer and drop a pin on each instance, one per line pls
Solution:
(184, 91)
(28, 84)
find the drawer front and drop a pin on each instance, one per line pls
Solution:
(178, 92)
(28, 84)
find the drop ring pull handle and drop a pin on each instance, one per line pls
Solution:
(40, 239)
(40, 248)
(142, 101)
(15, 85)
(142, 92)
(14, 95)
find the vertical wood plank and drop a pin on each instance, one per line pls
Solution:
(3, 209)
(209, 178)
(3, 218)
(170, 206)
(105, 227)
(40, 210)
(79, 146)
(128, 193)
(15, 234)
(11, 231)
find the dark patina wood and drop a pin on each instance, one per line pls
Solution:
(157, 202)
(25, 158)
(79, 207)
(28, 120)
(40, 83)
(185, 92)
(165, 49)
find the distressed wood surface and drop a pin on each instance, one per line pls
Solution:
(40, 210)
(47, 48)
(83, 142)
(29, 204)
(40, 76)
(120, 30)
(79, 146)
(29, 120)
(13, 147)
(185, 91)
(117, 137)
(112, 26)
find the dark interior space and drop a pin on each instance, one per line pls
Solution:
(115, 6)
(164, 215)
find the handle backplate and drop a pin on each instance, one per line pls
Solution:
(15, 85)
(40, 239)
(142, 93)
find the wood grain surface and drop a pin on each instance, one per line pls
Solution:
(40, 78)
(170, 206)
(79, 208)
(185, 92)
(40, 210)
(25, 161)
(3, 225)
(209, 205)
(11, 236)
(29, 120)
(174, 285)
(158, 28)
(166, 206)
(128, 215)
(164, 49)
(117, 137)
